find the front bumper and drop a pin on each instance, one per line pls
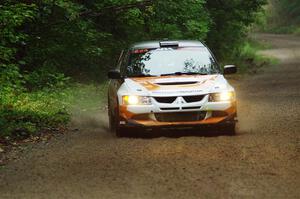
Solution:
(209, 113)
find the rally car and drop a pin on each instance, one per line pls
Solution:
(170, 84)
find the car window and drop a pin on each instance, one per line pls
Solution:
(156, 62)
(120, 59)
(124, 62)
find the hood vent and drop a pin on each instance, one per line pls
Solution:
(176, 83)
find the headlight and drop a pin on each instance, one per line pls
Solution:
(223, 96)
(136, 100)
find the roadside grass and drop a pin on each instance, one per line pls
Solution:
(281, 29)
(23, 114)
(248, 59)
(88, 97)
(36, 116)
(297, 31)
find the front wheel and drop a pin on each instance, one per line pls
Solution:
(121, 132)
(230, 129)
(114, 124)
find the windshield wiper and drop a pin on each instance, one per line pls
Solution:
(183, 73)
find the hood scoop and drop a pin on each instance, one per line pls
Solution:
(175, 83)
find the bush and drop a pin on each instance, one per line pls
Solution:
(282, 17)
(23, 114)
(297, 31)
(45, 79)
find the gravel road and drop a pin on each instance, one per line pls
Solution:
(262, 161)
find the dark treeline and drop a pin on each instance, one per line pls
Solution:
(283, 16)
(286, 12)
(74, 36)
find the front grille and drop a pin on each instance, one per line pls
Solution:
(193, 98)
(180, 117)
(168, 100)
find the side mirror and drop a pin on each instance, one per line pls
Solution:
(114, 74)
(230, 69)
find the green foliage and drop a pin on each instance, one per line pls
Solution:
(170, 19)
(297, 31)
(85, 37)
(231, 20)
(282, 16)
(248, 59)
(290, 9)
(12, 16)
(45, 79)
(22, 114)
(88, 97)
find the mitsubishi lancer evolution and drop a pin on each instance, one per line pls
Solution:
(170, 84)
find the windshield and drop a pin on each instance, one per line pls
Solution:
(171, 61)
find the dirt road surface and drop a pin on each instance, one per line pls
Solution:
(262, 161)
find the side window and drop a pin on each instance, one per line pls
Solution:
(124, 62)
(119, 63)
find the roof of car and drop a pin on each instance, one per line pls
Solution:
(156, 44)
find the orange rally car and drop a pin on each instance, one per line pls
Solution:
(170, 84)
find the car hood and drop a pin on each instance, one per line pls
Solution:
(174, 85)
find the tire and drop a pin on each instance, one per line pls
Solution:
(111, 120)
(111, 123)
(121, 132)
(114, 123)
(229, 129)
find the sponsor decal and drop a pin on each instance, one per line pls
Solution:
(152, 83)
(177, 92)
